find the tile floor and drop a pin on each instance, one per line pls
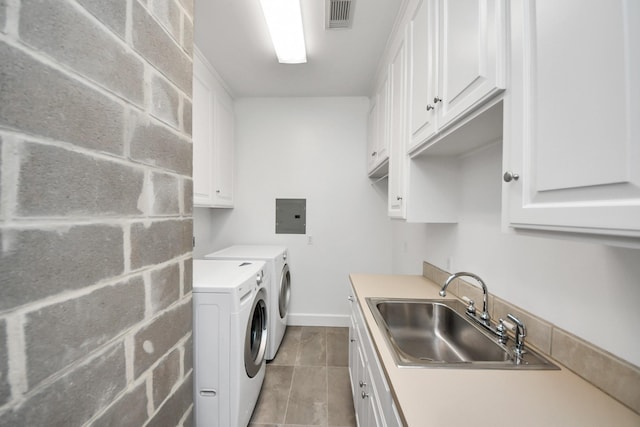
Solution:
(307, 384)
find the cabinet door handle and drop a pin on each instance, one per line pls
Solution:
(398, 198)
(430, 107)
(365, 395)
(436, 100)
(350, 298)
(374, 154)
(509, 176)
(362, 384)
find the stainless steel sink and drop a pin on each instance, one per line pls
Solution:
(439, 333)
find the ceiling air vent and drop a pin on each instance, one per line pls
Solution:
(339, 13)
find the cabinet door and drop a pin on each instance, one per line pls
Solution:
(382, 146)
(359, 398)
(203, 114)
(372, 135)
(353, 354)
(572, 132)
(471, 55)
(371, 401)
(422, 69)
(213, 138)
(397, 123)
(223, 154)
(378, 131)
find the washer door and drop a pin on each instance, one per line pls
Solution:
(285, 291)
(255, 342)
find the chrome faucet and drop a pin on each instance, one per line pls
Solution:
(485, 293)
(521, 332)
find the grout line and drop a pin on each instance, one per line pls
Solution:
(326, 373)
(128, 26)
(149, 390)
(148, 306)
(286, 408)
(181, 26)
(9, 181)
(16, 355)
(20, 137)
(12, 18)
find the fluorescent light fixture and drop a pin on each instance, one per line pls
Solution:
(284, 20)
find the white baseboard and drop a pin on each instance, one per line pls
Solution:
(335, 320)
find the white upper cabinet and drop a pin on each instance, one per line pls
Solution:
(471, 57)
(445, 64)
(213, 138)
(397, 129)
(572, 118)
(422, 30)
(202, 139)
(458, 57)
(372, 135)
(378, 132)
(223, 149)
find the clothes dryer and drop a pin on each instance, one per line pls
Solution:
(279, 293)
(230, 337)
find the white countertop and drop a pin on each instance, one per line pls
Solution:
(461, 397)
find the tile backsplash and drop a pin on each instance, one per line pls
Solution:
(614, 376)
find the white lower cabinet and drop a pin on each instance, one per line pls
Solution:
(372, 398)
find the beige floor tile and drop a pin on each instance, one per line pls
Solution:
(308, 399)
(337, 347)
(313, 347)
(272, 404)
(341, 411)
(312, 394)
(288, 349)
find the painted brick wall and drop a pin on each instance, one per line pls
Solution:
(95, 212)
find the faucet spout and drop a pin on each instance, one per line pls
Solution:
(521, 332)
(485, 292)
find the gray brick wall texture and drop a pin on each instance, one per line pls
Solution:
(166, 287)
(165, 101)
(59, 182)
(3, 8)
(67, 34)
(5, 389)
(96, 213)
(113, 14)
(59, 106)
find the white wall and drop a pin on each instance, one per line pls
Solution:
(314, 148)
(588, 289)
(311, 148)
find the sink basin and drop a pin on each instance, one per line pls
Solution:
(439, 333)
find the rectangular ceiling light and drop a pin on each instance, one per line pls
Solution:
(284, 20)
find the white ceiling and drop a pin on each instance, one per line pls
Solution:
(233, 36)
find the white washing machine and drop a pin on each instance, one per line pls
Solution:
(279, 292)
(230, 336)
